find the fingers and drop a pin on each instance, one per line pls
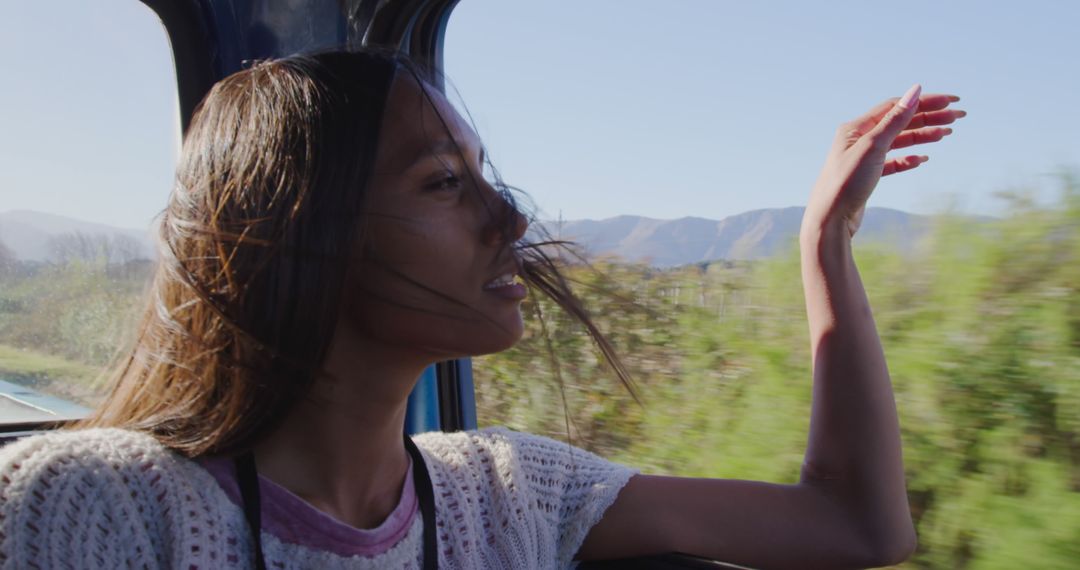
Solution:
(929, 113)
(935, 118)
(894, 121)
(920, 136)
(894, 165)
(935, 101)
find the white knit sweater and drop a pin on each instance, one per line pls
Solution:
(111, 498)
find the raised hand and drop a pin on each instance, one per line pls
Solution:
(857, 159)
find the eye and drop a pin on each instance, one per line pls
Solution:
(448, 181)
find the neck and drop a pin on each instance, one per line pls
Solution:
(341, 448)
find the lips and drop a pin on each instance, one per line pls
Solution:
(501, 281)
(507, 286)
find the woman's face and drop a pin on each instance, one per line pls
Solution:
(436, 274)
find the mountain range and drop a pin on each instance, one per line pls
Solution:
(751, 235)
(662, 243)
(29, 234)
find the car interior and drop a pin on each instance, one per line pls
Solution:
(211, 39)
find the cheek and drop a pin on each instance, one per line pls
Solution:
(440, 316)
(421, 243)
(424, 290)
(438, 329)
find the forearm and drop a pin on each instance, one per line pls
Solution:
(854, 449)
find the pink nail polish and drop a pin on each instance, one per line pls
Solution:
(909, 98)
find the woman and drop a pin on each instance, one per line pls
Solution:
(329, 236)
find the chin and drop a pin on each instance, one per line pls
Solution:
(501, 333)
(490, 344)
(497, 348)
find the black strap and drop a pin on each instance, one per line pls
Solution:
(426, 493)
(248, 478)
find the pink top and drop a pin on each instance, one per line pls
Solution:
(293, 520)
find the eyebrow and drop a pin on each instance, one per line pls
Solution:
(442, 147)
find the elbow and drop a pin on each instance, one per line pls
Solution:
(877, 555)
(883, 542)
(874, 535)
(893, 549)
(899, 549)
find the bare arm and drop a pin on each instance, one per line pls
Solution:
(853, 454)
(850, 508)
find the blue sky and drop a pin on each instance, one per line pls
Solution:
(597, 107)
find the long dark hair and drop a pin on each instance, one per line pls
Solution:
(253, 249)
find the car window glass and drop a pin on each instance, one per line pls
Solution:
(87, 154)
(678, 141)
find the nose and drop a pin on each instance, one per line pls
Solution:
(505, 223)
(520, 224)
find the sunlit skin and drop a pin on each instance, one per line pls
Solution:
(433, 225)
(849, 508)
(342, 449)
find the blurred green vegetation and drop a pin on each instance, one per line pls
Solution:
(980, 323)
(981, 327)
(62, 323)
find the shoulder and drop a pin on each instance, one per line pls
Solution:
(99, 493)
(548, 492)
(460, 445)
(505, 447)
(497, 442)
(118, 456)
(90, 444)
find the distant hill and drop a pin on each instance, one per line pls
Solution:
(28, 233)
(750, 235)
(663, 243)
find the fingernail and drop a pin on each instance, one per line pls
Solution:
(959, 114)
(909, 98)
(948, 131)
